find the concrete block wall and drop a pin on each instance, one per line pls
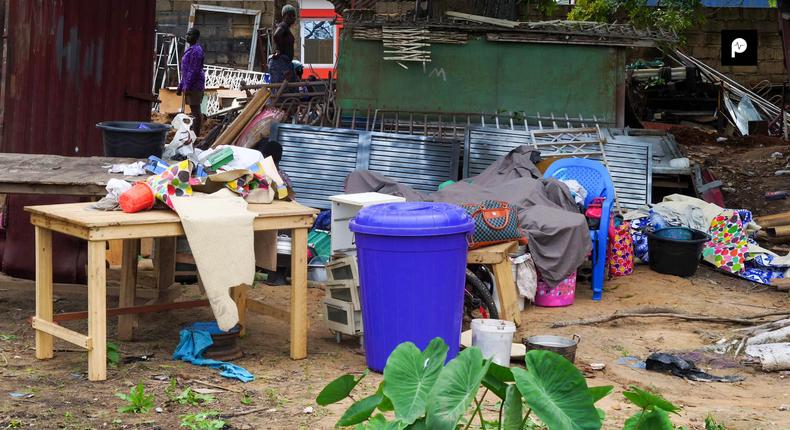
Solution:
(225, 37)
(704, 43)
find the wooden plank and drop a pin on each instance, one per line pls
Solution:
(55, 174)
(491, 254)
(299, 293)
(28, 285)
(774, 220)
(59, 226)
(779, 231)
(506, 290)
(60, 332)
(44, 341)
(483, 19)
(268, 310)
(115, 254)
(781, 284)
(134, 310)
(131, 249)
(97, 310)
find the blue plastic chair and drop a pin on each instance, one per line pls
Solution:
(594, 177)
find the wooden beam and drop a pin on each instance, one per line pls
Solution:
(268, 310)
(299, 293)
(145, 309)
(60, 332)
(97, 310)
(774, 220)
(44, 296)
(491, 254)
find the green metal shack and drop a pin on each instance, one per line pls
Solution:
(456, 65)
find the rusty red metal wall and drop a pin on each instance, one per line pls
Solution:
(69, 64)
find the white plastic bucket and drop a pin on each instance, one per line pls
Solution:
(494, 338)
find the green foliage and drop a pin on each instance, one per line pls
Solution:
(454, 390)
(190, 397)
(338, 389)
(410, 375)
(423, 393)
(711, 424)
(137, 401)
(202, 421)
(246, 400)
(7, 337)
(672, 15)
(113, 354)
(557, 392)
(654, 414)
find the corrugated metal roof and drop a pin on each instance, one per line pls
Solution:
(69, 65)
(760, 4)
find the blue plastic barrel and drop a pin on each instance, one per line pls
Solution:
(412, 261)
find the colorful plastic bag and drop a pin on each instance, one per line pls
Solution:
(173, 182)
(620, 255)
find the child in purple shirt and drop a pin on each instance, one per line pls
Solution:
(193, 79)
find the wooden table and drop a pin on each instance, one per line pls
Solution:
(97, 227)
(58, 175)
(497, 257)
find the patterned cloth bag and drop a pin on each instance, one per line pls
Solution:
(495, 222)
(620, 255)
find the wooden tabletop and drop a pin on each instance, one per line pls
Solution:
(55, 174)
(79, 220)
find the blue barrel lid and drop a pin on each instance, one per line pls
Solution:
(412, 219)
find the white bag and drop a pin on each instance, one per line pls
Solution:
(526, 276)
(183, 139)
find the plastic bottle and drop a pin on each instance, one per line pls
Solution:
(139, 198)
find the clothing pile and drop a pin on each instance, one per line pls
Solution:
(731, 249)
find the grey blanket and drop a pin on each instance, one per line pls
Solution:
(559, 240)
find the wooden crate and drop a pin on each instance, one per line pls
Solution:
(342, 318)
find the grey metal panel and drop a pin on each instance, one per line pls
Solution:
(417, 161)
(630, 163)
(318, 160)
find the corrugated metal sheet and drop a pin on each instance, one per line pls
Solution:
(630, 163)
(70, 64)
(417, 161)
(318, 159)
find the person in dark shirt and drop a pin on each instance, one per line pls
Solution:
(193, 79)
(280, 63)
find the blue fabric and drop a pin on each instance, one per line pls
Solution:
(190, 349)
(594, 177)
(281, 68)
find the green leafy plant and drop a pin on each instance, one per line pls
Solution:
(654, 413)
(171, 391)
(424, 393)
(673, 15)
(202, 421)
(113, 354)
(711, 424)
(137, 401)
(7, 337)
(190, 397)
(246, 400)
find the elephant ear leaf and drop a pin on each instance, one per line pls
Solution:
(651, 419)
(455, 389)
(360, 411)
(557, 392)
(645, 399)
(409, 377)
(338, 389)
(512, 410)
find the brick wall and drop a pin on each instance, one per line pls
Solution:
(225, 37)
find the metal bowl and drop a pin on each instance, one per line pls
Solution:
(564, 346)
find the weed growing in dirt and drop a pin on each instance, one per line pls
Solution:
(274, 397)
(711, 424)
(7, 337)
(14, 424)
(137, 401)
(190, 397)
(113, 354)
(202, 421)
(246, 400)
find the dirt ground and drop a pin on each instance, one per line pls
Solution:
(59, 396)
(746, 165)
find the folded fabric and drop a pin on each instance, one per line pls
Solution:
(193, 342)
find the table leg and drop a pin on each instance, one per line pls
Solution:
(44, 299)
(299, 293)
(240, 297)
(126, 298)
(97, 310)
(165, 263)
